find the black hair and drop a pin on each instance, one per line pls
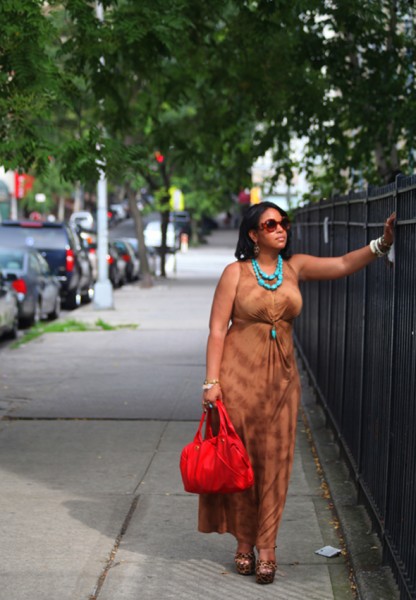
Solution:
(245, 245)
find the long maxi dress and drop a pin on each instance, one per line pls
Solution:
(261, 391)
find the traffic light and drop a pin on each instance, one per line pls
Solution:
(159, 157)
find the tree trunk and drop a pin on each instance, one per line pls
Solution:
(387, 157)
(146, 277)
(61, 208)
(163, 248)
(195, 226)
(164, 213)
(387, 165)
(78, 197)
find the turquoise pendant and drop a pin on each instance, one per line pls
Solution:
(273, 333)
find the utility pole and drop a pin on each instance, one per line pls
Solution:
(103, 291)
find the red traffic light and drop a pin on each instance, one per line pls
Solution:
(159, 157)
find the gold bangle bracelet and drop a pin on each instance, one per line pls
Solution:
(208, 386)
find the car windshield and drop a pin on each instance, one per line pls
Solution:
(121, 246)
(11, 260)
(48, 238)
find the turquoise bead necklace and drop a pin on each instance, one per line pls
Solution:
(263, 277)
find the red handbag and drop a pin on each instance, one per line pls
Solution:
(217, 464)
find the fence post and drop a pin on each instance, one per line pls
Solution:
(360, 495)
(345, 320)
(329, 283)
(385, 507)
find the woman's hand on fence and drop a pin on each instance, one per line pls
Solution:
(389, 229)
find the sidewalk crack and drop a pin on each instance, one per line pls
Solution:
(110, 561)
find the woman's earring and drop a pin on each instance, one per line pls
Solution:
(256, 249)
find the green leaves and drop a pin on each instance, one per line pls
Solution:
(210, 85)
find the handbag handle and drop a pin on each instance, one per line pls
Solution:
(225, 424)
(208, 431)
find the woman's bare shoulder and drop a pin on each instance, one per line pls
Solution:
(297, 263)
(294, 262)
(229, 279)
(232, 271)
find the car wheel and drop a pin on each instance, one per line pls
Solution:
(12, 333)
(129, 274)
(116, 279)
(88, 293)
(33, 319)
(55, 314)
(73, 299)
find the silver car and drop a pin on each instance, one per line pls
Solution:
(37, 289)
(9, 312)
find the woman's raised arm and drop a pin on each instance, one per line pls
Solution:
(317, 268)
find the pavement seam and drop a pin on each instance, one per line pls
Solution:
(155, 451)
(110, 561)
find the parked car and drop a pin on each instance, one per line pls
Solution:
(116, 266)
(83, 218)
(62, 248)
(129, 256)
(112, 218)
(37, 289)
(153, 237)
(117, 271)
(89, 239)
(133, 243)
(181, 220)
(9, 311)
(119, 211)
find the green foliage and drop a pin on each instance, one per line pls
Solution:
(367, 123)
(52, 184)
(212, 86)
(29, 83)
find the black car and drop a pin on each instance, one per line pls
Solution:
(37, 289)
(63, 250)
(9, 312)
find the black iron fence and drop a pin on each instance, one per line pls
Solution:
(357, 337)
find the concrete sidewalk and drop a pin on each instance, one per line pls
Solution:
(92, 504)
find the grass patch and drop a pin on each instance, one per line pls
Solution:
(104, 325)
(69, 325)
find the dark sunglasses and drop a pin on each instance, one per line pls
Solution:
(271, 225)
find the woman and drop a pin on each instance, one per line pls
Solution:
(252, 369)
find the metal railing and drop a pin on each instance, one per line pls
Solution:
(357, 338)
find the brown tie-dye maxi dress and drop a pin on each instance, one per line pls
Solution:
(261, 391)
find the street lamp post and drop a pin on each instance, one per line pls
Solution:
(103, 291)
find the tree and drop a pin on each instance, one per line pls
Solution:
(28, 84)
(151, 100)
(367, 124)
(211, 86)
(55, 189)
